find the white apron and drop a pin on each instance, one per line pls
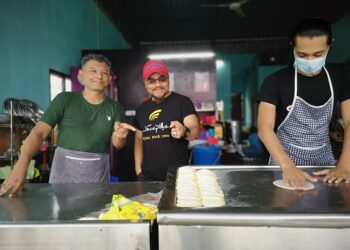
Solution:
(304, 133)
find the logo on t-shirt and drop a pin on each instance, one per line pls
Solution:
(154, 115)
(156, 131)
(109, 117)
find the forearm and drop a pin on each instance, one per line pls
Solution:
(193, 133)
(32, 143)
(138, 163)
(29, 149)
(345, 155)
(273, 145)
(117, 141)
(15, 180)
(138, 156)
(190, 122)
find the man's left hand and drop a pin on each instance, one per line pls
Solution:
(336, 175)
(177, 129)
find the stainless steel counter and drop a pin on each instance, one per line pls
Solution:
(258, 214)
(47, 217)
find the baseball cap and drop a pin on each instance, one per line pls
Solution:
(154, 66)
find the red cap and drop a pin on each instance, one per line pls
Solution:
(154, 66)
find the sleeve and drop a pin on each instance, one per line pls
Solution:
(137, 123)
(120, 117)
(55, 111)
(269, 91)
(187, 107)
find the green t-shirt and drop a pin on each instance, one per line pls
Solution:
(83, 126)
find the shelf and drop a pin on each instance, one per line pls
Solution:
(205, 110)
(5, 125)
(2, 125)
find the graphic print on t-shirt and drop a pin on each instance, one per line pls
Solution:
(154, 115)
(155, 130)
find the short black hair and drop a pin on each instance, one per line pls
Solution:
(312, 27)
(96, 57)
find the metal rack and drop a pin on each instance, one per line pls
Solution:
(11, 131)
(20, 113)
(10, 125)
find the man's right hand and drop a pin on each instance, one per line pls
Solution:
(138, 170)
(296, 177)
(140, 177)
(14, 181)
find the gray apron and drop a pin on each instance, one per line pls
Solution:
(304, 133)
(70, 166)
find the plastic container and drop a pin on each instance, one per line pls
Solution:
(206, 154)
(236, 132)
(114, 179)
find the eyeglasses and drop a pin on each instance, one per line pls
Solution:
(161, 79)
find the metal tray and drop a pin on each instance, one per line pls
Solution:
(251, 197)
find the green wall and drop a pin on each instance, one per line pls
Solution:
(232, 77)
(340, 50)
(39, 35)
(241, 73)
(223, 85)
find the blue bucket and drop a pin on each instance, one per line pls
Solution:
(206, 154)
(114, 179)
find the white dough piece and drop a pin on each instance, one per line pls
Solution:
(282, 184)
(188, 204)
(88, 218)
(198, 188)
(210, 190)
(218, 203)
(187, 192)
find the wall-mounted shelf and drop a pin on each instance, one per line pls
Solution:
(205, 110)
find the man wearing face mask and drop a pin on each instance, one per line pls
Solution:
(297, 105)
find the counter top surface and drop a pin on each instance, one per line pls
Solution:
(251, 196)
(46, 203)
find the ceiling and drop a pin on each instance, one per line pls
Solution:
(168, 22)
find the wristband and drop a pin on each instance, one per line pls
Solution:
(187, 133)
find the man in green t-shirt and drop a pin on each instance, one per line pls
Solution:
(86, 121)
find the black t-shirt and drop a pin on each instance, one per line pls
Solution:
(278, 88)
(160, 149)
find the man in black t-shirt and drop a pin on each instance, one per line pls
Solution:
(166, 122)
(297, 104)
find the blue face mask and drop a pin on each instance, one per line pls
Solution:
(310, 67)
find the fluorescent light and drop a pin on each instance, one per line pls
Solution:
(207, 54)
(219, 63)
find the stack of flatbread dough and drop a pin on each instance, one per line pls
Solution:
(187, 192)
(198, 188)
(211, 192)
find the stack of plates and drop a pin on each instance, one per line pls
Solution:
(28, 110)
